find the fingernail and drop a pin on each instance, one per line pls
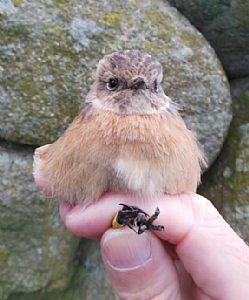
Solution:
(126, 250)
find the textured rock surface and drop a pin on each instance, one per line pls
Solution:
(47, 64)
(226, 183)
(225, 24)
(95, 283)
(35, 248)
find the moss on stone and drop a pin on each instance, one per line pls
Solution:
(3, 258)
(112, 17)
(17, 3)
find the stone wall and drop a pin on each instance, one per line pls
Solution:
(48, 54)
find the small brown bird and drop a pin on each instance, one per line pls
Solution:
(128, 137)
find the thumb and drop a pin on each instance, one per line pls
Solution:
(138, 267)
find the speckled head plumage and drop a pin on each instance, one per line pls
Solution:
(130, 64)
(129, 82)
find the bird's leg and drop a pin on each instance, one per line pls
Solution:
(126, 215)
(133, 216)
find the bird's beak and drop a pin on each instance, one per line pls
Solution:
(139, 83)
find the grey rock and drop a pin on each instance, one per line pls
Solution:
(36, 251)
(225, 24)
(7, 6)
(48, 62)
(95, 283)
(82, 30)
(226, 183)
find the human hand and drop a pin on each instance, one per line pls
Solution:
(210, 261)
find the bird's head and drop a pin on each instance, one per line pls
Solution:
(129, 82)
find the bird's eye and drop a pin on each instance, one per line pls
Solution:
(112, 84)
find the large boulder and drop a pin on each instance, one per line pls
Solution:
(225, 24)
(48, 61)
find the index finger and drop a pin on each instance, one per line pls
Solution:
(177, 214)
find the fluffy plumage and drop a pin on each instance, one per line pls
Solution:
(127, 137)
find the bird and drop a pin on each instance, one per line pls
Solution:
(128, 137)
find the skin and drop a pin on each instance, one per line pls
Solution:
(198, 256)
